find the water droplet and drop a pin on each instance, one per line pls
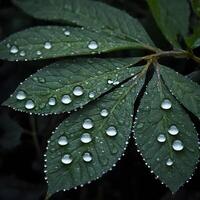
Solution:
(110, 82)
(66, 159)
(91, 95)
(67, 33)
(62, 141)
(14, 50)
(52, 101)
(87, 124)
(87, 157)
(39, 53)
(173, 130)
(104, 113)
(22, 53)
(86, 138)
(166, 104)
(78, 91)
(161, 138)
(29, 105)
(47, 45)
(169, 162)
(41, 80)
(66, 99)
(111, 131)
(116, 83)
(21, 95)
(177, 145)
(93, 45)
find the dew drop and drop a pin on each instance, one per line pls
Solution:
(78, 91)
(104, 113)
(161, 138)
(39, 53)
(87, 124)
(93, 45)
(52, 101)
(169, 162)
(110, 82)
(86, 138)
(87, 157)
(22, 53)
(29, 105)
(62, 141)
(66, 99)
(111, 131)
(66, 159)
(166, 104)
(177, 145)
(14, 50)
(67, 33)
(21, 95)
(173, 130)
(91, 95)
(47, 45)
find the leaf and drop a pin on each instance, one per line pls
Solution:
(53, 89)
(193, 40)
(196, 6)
(57, 41)
(153, 124)
(112, 114)
(91, 14)
(185, 90)
(172, 18)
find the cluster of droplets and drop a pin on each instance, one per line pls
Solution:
(177, 145)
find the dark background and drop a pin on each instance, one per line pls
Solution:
(23, 137)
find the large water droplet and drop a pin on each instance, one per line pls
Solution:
(78, 91)
(66, 159)
(29, 105)
(166, 104)
(86, 138)
(87, 157)
(67, 33)
(104, 113)
(52, 101)
(161, 138)
(47, 45)
(177, 145)
(111, 131)
(14, 50)
(66, 99)
(93, 45)
(21, 95)
(22, 53)
(169, 162)
(173, 130)
(62, 141)
(88, 124)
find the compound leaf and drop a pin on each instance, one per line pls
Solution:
(185, 90)
(166, 136)
(92, 140)
(172, 18)
(57, 41)
(91, 14)
(69, 84)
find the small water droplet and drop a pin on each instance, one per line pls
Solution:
(66, 159)
(78, 91)
(14, 50)
(93, 45)
(169, 162)
(91, 95)
(87, 157)
(21, 95)
(29, 105)
(166, 104)
(47, 45)
(161, 138)
(62, 141)
(52, 101)
(41, 80)
(173, 130)
(110, 82)
(22, 53)
(67, 33)
(104, 113)
(86, 138)
(111, 131)
(66, 99)
(116, 83)
(88, 124)
(39, 53)
(177, 145)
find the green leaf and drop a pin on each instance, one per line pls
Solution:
(172, 18)
(185, 90)
(109, 129)
(51, 90)
(153, 124)
(58, 41)
(91, 14)
(193, 41)
(196, 6)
